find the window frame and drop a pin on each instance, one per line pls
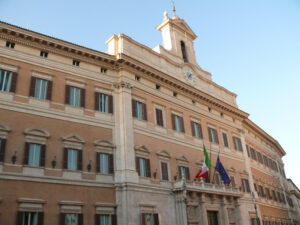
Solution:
(180, 122)
(213, 135)
(196, 128)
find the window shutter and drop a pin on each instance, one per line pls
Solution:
(216, 134)
(113, 219)
(49, 90)
(159, 117)
(19, 219)
(97, 162)
(137, 163)
(187, 170)
(148, 169)
(96, 101)
(243, 188)
(43, 155)
(133, 102)
(82, 97)
(240, 143)
(40, 218)
(248, 153)
(110, 104)
(164, 171)
(144, 219)
(32, 86)
(62, 218)
(179, 173)
(26, 153)
(97, 219)
(67, 95)
(80, 219)
(193, 129)
(200, 130)
(173, 121)
(2, 149)
(182, 124)
(65, 159)
(144, 111)
(111, 163)
(156, 220)
(79, 160)
(209, 134)
(247, 182)
(235, 147)
(13, 84)
(225, 139)
(255, 187)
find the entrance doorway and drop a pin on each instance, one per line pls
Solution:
(212, 217)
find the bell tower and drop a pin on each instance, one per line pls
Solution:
(178, 37)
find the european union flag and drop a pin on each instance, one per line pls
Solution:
(220, 168)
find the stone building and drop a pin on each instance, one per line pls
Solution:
(89, 137)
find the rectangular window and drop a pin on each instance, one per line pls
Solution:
(268, 193)
(103, 102)
(213, 135)
(34, 155)
(5, 80)
(184, 172)
(245, 185)
(261, 191)
(104, 220)
(143, 167)
(71, 219)
(40, 88)
(44, 54)
(30, 218)
(274, 197)
(105, 163)
(164, 171)
(177, 123)
(225, 140)
(237, 144)
(259, 156)
(72, 159)
(253, 154)
(248, 152)
(2, 149)
(139, 110)
(150, 219)
(159, 117)
(75, 63)
(266, 160)
(196, 129)
(10, 44)
(74, 96)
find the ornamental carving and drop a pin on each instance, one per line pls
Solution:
(122, 84)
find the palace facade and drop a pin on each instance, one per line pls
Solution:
(89, 137)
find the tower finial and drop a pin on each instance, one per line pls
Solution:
(173, 8)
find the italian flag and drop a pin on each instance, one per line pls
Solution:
(206, 165)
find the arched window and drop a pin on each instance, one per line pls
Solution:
(183, 50)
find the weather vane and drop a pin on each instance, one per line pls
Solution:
(173, 7)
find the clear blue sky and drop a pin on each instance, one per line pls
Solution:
(251, 47)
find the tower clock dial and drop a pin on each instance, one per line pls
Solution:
(189, 77)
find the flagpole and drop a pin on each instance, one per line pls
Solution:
(215, 167)
(210, 169)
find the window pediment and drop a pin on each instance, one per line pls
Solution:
(73, 141)
(4, 130)
(163, 153)
(142, 151)
(104, 146)
(36, 135)
(182, 158)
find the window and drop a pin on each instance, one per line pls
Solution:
(225, 140)
(279, 196)
(245, 185)
(274, 196)
(10, 44)
(283, 198)
(157, 87)
(177, 123)
(29, 218)
(44, 54)
(8, 81)
(159, 117)
(213, 135)
(175, 94)
(268, 193)
(75, 96)
(40, 88)
(164, 171)
(34, 154)
(72, 159)
(137, 78)
(71, 219)
(248, 153)
(143, 167)
(2, 149)
(255, 221)
(184, 172)
(253, 154)
(103, 70)
(103, 102)
(266, 160)
(261, 191)
(183, 50)
(105, 163)
(150, 219)
(75, 63)
(259, 156)
(139, 110)
(237, 144)
(196, 129)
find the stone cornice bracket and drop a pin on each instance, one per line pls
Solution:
(122, 84)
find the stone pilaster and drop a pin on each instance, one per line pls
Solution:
(202, 211)
(224, 212)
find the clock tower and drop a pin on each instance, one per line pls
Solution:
(178, 38)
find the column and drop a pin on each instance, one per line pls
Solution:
(224, 212)
(202, 210)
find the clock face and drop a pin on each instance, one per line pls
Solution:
(190, 77)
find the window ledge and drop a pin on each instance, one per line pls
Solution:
(39, 102)
(32, 170)
(142, 123)
(145, 180)
(105, 178)
(103, 115)
(72, 174)
(74, 110)
(160, 129)
(178, 134)
(6, 95)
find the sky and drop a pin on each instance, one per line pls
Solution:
(251, 47)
